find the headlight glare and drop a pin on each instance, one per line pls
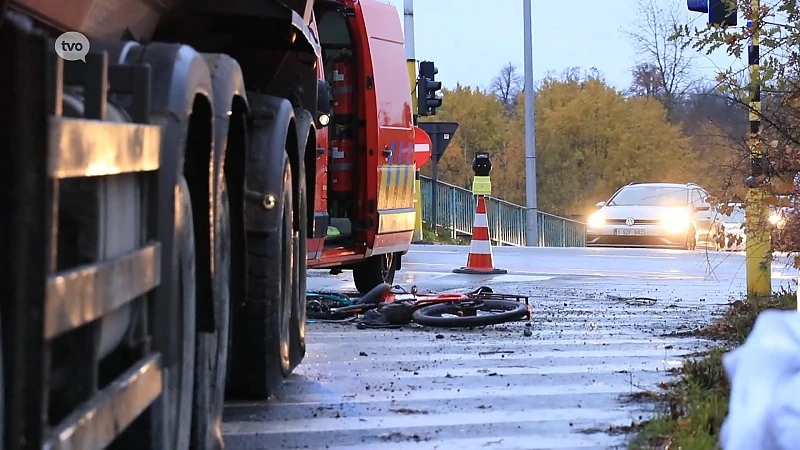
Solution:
(775, 219)
(596, 220)
(675, 222)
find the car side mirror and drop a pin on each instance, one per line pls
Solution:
(600, 204)
(323, 116)
(702, 208)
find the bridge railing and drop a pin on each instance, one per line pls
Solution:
(456, 213)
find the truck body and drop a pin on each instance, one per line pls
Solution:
(165, 198)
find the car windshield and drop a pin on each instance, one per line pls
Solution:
(650, 196)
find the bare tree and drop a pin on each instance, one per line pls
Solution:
(507, 85)
(664, 66)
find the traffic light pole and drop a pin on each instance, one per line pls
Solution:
(408, 30)
(758, 248)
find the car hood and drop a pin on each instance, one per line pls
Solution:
(641, 212)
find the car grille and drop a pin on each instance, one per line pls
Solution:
(635, 221)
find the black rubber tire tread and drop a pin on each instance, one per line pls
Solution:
(297, 347)
(179, 379)
(2, 391)
(430, 315)
(260, 352)
(369, 274)
(375, 295)
(212, 348)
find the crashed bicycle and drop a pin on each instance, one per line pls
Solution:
(399, 306)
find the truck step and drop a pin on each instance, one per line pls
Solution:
(113, 409)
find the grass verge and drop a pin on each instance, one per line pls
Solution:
(693, 408)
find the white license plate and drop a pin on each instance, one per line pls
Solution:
(629, 231)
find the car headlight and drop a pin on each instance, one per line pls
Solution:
(675, 222)
(597, 219)
(775, 219)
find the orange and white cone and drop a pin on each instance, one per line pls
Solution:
(479, 261)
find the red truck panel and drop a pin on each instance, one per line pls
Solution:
(390, 131)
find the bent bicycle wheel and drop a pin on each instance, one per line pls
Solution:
(452, 314)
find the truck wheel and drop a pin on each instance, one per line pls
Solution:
(179, 378)
(297, 348)
(259, 368)
(212, 348)
(374, 271)
(2, 392)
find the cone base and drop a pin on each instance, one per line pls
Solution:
(470, 271)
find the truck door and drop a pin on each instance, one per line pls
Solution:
(387, 106)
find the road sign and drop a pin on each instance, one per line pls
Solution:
(441, 134)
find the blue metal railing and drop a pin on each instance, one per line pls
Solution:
(455, 209)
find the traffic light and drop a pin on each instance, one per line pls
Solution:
(720, 12)
(427, 101)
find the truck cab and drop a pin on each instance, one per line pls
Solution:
(364, 214)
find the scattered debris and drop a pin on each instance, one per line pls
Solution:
(636, 301)
(408, 411)
(495, 352)
(397, 436)
(612, 429)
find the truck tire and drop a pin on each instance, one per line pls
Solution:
(179, 378)
(374, 271)
(2, 392)
(261, 367)
(212, 348)
(297, 347)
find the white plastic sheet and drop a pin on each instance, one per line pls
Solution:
(765, 386)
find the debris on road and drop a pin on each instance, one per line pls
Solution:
(388, 306)
(635, 301)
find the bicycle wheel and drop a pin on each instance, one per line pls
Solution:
(498, 311)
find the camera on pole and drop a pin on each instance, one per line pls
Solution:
(481, 166)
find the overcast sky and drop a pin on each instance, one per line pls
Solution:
(470, 40)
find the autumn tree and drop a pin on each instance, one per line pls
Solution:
(664, 69)
(591, 140)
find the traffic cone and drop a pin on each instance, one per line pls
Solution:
(479, 261)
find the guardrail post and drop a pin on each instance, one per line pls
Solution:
(452, 213)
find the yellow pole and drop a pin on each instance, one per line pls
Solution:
(412, 75)
(411, 60)
(758, 248)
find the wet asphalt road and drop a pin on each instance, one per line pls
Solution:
(495, 388)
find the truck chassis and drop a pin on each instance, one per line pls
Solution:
(153, 244)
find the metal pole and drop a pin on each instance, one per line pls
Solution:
(434, 195)
(411, 61)
(758, 254)
(531, 225)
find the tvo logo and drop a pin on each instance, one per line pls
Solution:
(72, 46)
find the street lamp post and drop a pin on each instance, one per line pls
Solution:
(532, 212)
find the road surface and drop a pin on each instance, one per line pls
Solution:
(561, 388)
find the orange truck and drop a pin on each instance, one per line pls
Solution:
(168, 176)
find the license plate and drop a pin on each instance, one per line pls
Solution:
(629, 231)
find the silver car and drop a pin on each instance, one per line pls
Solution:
(653, 215)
